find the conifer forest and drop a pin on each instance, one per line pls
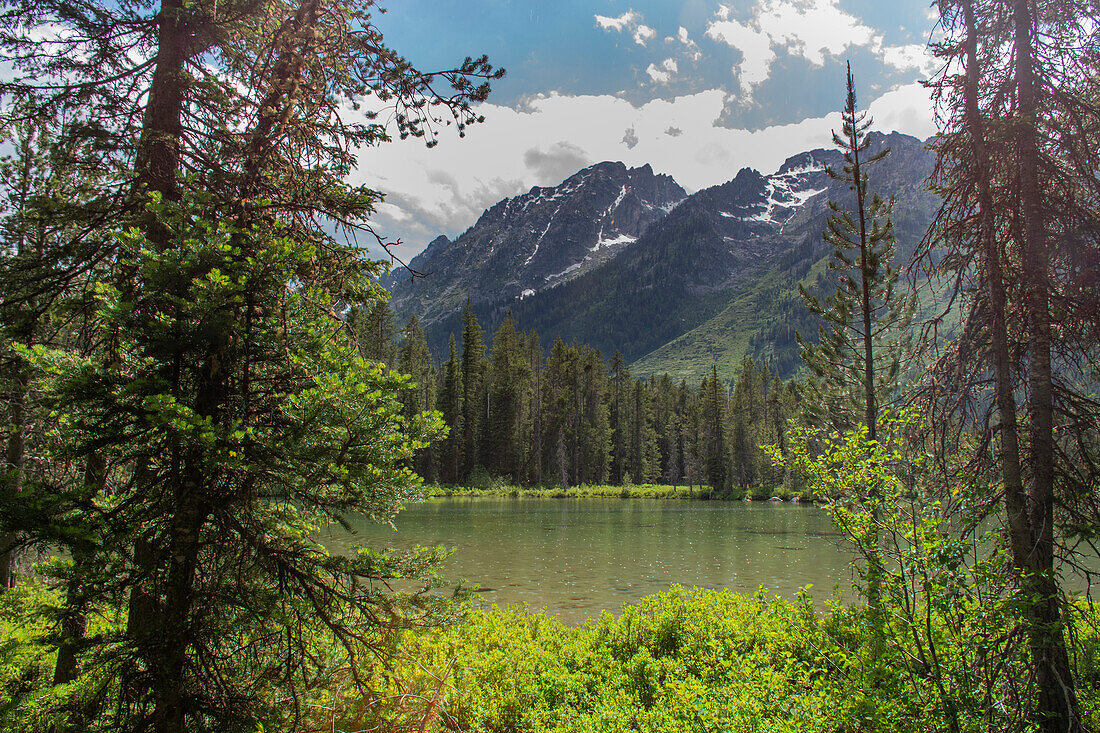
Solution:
(203, 376)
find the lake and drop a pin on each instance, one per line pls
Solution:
(579, 557)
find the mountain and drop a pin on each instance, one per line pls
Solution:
(538, 240)
(686, 283)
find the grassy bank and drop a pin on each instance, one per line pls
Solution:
(590, 491)
(678, 662)
(702, 660)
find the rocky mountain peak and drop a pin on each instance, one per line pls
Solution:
(538, 239)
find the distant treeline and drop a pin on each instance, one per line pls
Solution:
(572, 417)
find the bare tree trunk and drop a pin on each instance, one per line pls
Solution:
(1058, 708)
(1008, 451)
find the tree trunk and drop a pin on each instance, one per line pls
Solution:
(1057, 708)
(169, 658)
(1008, 451)
(74, 621)
(14, 457)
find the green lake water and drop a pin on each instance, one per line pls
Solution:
(580, 557)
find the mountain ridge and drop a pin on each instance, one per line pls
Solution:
(642, 278)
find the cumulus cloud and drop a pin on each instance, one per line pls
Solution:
(549, 137)
(664, 73)
(810, 29)
(755, 47)
(630, 22)
(910, 56)
(626, 20)
(644, 33)
(907, 109)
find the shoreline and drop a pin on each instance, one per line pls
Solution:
(641, 491)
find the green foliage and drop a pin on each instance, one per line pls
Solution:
(949, 610)
(686, 660)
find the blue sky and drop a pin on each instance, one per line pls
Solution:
(697, 88)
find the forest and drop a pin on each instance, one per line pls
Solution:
(574, 418)
(198, 375)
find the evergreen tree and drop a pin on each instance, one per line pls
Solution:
(856, 362)
(743, 432)
(558, 406)
(508, 387)
(535, 434)
(1016, 168)
(473, 392)
(223, 415)
(619, 417)
(450, 405)
(713, 431)
(644, 460)
(372, 324)
(592, 446)
(415, 360)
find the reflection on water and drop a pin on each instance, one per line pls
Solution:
(579, 557)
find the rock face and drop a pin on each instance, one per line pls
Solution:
(540, 239)
(620, 259)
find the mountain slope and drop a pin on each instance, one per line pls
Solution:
(610, 259)
(528, 243)
(762, 320)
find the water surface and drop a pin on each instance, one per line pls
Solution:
(579, 557)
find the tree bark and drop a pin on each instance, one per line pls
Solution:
(14, 458)
(1057, 708)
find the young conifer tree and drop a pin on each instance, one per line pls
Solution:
(856, 361)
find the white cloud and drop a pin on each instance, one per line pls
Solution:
(445, 189)
(691, 46)
(755, 47)
(664, 73)
(810, 29)
(627, 19)
(910, 56)
(906, 109)
(814, 29)
(630, 22)
(644, 33)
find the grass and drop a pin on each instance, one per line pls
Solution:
(602, 491)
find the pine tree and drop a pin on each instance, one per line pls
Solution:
(1016, 168)
(508, 386)
(473, 392)
(415, 360)
(856, 362)
(713, 431)
(593, 431)
(374, 330)
(223, 413)
(535, 435)
(743, 444)
(558, 407)
(450, 406)
(620, 381)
